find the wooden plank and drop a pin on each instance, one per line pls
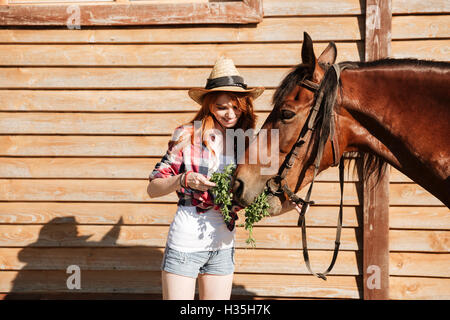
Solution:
(297, 286)
(147, 214)
(97, 123)
(87, 213)
(155, 55)
(311, 7)
(243, 284)
(109, 100)
(114, 168)
(420, 6)
(420, 27)
(152, 146)
(419, 240)
(149, 259)
(419, 217)
(99, 168)
(150, 282)
(411, 194)
(422, 49)
(348, 7)
(129, 191)
(269, 30)
(156, 213)
(129, 78)
(123, 14)
(247, 260)
(65, 235)
(413, 288)
(376, 195)
(92, 281)
(419, 264)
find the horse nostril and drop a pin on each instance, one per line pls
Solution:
(237, 188)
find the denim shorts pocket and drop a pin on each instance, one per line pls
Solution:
(177, 256)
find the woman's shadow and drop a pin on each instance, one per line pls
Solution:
(62, 264)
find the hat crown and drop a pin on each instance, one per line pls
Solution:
(223, 67)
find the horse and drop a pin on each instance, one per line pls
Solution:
(393, 111)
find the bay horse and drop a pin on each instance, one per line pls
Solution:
(392, 110)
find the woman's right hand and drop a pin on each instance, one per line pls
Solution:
(199, 182)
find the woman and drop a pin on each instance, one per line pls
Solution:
(200, 244)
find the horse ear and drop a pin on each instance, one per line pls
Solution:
(308, 57)
(328, 56)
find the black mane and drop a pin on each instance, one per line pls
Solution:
(389, 62)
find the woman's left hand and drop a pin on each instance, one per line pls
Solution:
(298, 208)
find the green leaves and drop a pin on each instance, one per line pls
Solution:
(255, 212)
(223, 197)
(222, 190)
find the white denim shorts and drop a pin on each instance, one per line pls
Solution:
(190, 264)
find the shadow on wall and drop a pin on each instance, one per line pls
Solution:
(62, 264)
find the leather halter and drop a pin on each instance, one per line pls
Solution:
(277, 184)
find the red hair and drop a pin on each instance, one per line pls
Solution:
(244, 102)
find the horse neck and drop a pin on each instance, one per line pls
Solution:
(405, 109)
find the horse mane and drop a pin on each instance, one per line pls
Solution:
(371, 164)
(389, 62)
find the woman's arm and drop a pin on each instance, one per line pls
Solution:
(161, 186)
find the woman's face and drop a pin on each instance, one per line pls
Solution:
(226, 111)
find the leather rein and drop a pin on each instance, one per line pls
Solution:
(277, 185)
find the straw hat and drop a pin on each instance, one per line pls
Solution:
(224, 77)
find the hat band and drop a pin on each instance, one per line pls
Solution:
(236, 81)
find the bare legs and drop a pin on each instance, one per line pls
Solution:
(210, 286)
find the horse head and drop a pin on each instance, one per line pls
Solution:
(293, 101)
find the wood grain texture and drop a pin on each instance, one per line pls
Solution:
(149, 282)
(98, 123)
(414, 288)
(109, 101)
(157, 55)
(157, 213)
(60, 235)
(247, 260)
(147, 214)
(124, 14)
(348, 7)
(135, 190)
(149, 259)
(126, 78)
(70, 235)
(269, 30)
(126, 168)
(420, 27)
(422, 49)
(129, 191)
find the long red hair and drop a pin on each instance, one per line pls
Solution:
(244, 102)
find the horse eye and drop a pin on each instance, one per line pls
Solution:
(287, 114)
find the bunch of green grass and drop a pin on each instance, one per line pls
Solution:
(223, 197)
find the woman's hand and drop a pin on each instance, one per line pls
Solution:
(198, 181)
(298, 208)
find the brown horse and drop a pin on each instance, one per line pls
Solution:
(394, 110)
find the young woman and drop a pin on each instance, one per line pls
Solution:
(200, 244)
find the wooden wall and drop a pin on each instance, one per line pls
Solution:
(85, 115)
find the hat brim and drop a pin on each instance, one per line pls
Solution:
(197, 94)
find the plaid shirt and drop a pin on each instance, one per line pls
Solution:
(184, 157)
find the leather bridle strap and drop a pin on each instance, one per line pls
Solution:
(302, 223)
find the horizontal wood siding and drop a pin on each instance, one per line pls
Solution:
(86, 114)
